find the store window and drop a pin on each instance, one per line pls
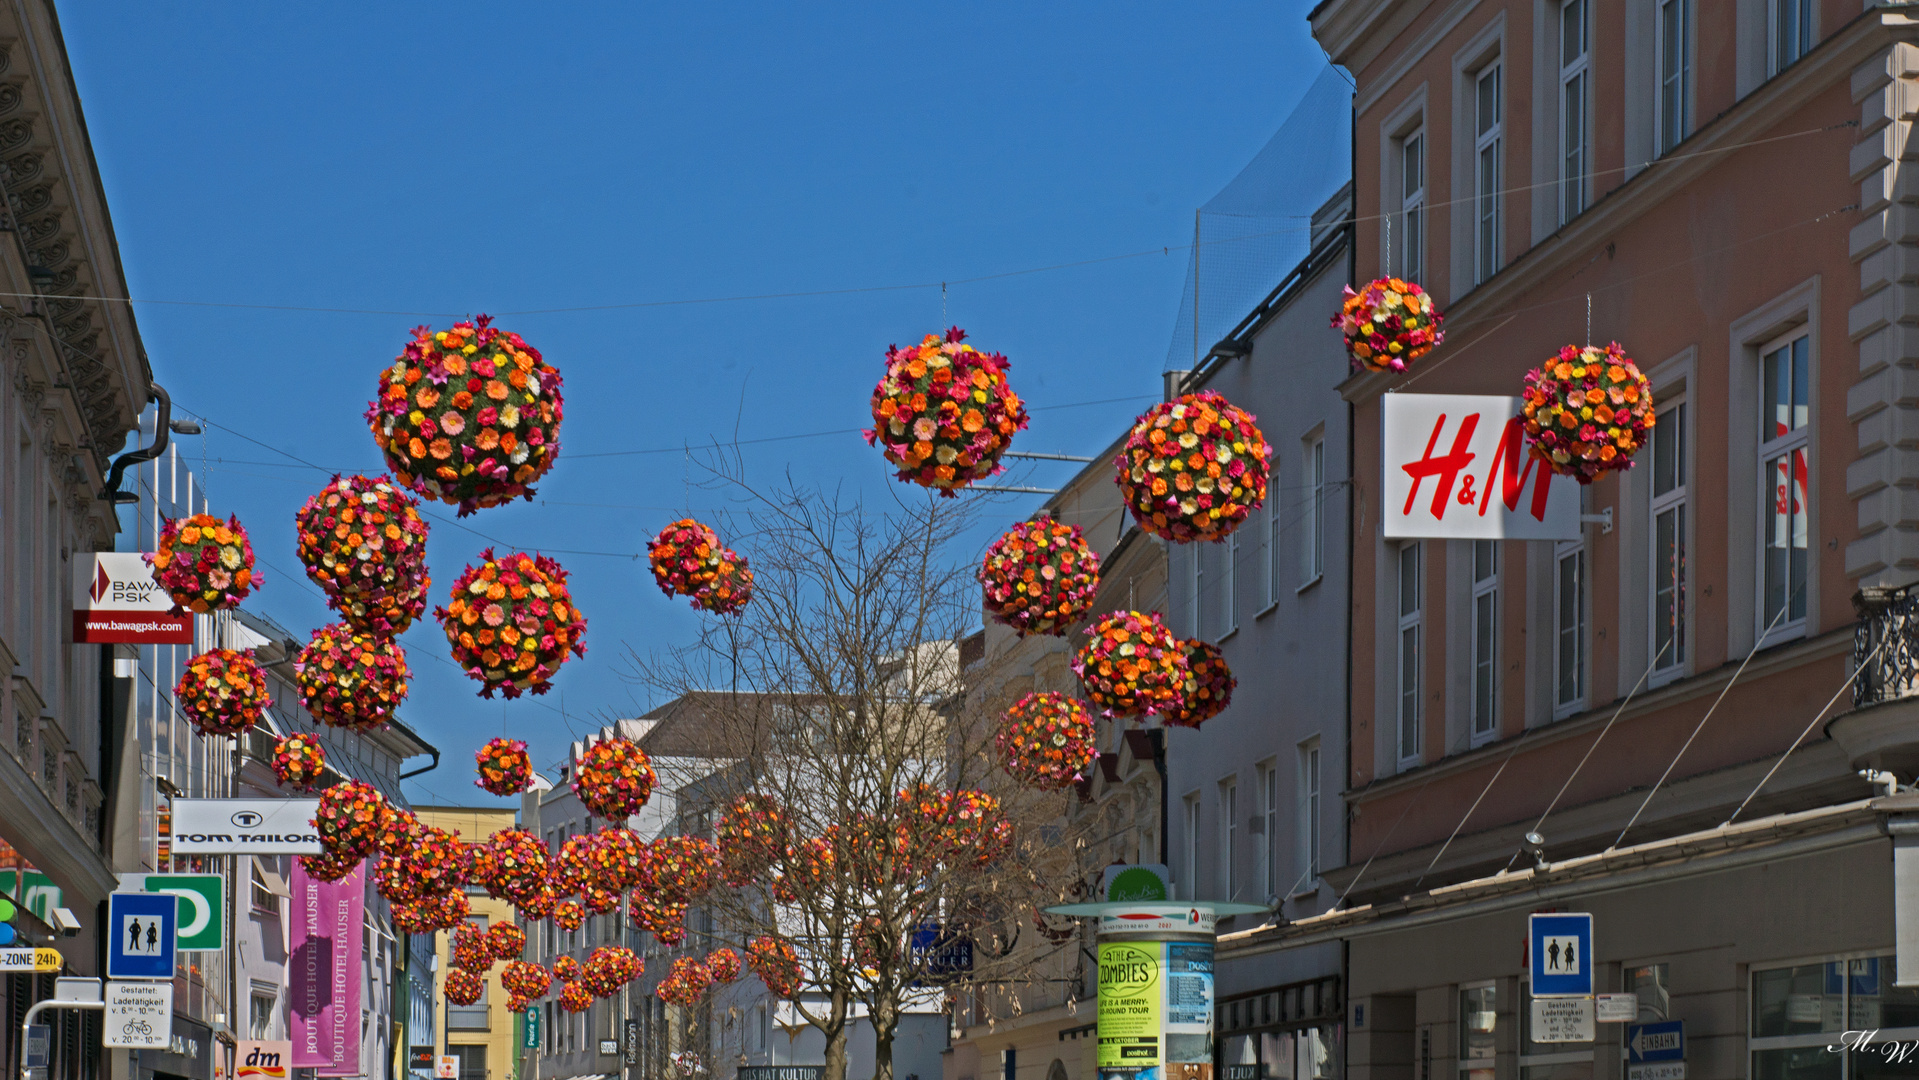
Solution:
(1800, 1012)
(1478, 1031)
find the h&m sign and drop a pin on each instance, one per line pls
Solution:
(1457, 467)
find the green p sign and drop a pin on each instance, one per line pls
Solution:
(203, 907)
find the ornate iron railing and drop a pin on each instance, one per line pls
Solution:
(1885, 644)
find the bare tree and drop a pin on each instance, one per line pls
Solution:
(883, 839)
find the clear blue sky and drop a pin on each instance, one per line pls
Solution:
(465, 158)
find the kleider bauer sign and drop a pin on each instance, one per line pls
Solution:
(115, 599)
(245, 827)
(1458, 467)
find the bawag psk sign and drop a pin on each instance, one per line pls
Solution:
(1457, 467)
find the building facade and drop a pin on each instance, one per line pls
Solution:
(482, 1037)
(1661, 719)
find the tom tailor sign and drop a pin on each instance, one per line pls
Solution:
(1457, 467)
(245, 827)
(115, 599)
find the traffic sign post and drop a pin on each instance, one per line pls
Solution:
(1656, 1051)
(140, 935)
(139, 1015)
(1562, 963)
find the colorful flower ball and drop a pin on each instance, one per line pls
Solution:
(688, 560)
(511, 865)
(349, 819)
(680, 868)
(1047, 740)
(724, 965)
(1209, 686)
(1131, 665)
(298, 761)
(1588, 411)
(330, 867)
(664, 919)
(536, 905)
(686, 983)
(597, 901)
(395, 882)
(613, 778)
(1193, 468)
(222, 692)
(511, 623)
(751, 833)
(469, 416)
(525, 979)
(1388, 324)
(364, 543)
(505, 768)
(567, 969)
(202, 564)
(618, 858)
(1040, 577)
(609, 968)
(464, 987)
(955, 827)
(440, 859)
(575, 997)
(944, 413)
(777, 964)
(351, 679)
(568, 915)
(470, 951)
(505, 940)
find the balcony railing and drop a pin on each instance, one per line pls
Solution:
(1885, 645)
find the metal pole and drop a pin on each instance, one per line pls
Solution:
(26, 1024)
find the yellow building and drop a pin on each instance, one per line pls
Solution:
(481, 1035)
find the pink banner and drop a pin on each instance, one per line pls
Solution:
(323, 973)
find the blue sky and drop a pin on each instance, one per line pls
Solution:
(413, 163)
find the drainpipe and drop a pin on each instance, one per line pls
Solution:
(162, 427)
(427, 768)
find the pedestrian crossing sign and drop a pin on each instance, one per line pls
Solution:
(1561, 954)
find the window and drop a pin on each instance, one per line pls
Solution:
(1487, 130)
(1198, 556)
(474, 1017)
(1411, 254)
(1784, 438)
(1269, 829)
(1229, 586)
(1191, 875)
(1485, 639)
(1478, 1031)
(1229, 839)
(1801, 1010)
(1791, 32)
(1313, 543)
(1674, 112)
(1669, 539)
(1308, 816)
(265, 900)
(1409, 625)
(1575, 82)
(1273, 530)
(1569, 628)
(260, 1015)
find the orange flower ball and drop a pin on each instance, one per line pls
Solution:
(351, 679)
(1588, 411)
(222, 692)
(1209, 686)
(364, 543)
(1047, 740)
(1131, 665)
(944, 413)
(688, 560)
(613, 778)
(1194, 468)
(1040, 577)
(204, 564)
(511, 623)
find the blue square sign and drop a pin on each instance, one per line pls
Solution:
(1562, 961)
(140, 935)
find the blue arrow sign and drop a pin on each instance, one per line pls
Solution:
(140, 935)
(1562, 961)
(1656, 1042)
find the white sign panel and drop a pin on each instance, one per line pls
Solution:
(1180, 918)
(115, 599)
(1617, 1008)
(245, 827)
(447, 1068)
(1656, 1070)
(1563, 1020)
(1457, 467)
(139, 1015)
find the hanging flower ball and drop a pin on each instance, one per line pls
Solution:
(464, 987)
(329, 867)
(504, 766)
(613, 778)
(469, 416)
(568, 915)
(511, 623)
(573, 865)
(1388, 324)
(511, 865)
(617, 857)
(954, 826)
(399, 832)
(567, 969)
(1047, 740)
(724, 965)
(536, 905)
(351, 679)
(1193, 468)
(1209, 686)
(689, 560)
(349, 818)
(944, 413)
(680, 868)
(364, 544)
(525, 979)
(686, 983)
(751, 833)
(1588, 411)
(809, 865)
(395, 884)
(222, 692)
(597, 901)
(1131, 665)
(298, 761)
(505, 940)
(202, 564)
(1040, 577)
(609, 968)
(416, 916)
(440, 860)
(777, 964)
(664, 919)
(575, 997)
(470, 952)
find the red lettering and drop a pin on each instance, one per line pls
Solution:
(1512, 478)
(1446, 469)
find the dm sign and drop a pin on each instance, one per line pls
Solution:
(1457, 467)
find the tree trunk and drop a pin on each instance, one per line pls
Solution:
(886, 1022)
(836, 1055)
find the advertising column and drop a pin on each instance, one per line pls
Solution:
(1156, 993)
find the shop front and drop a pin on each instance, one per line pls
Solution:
(1290, 1032)
(188, 1056)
